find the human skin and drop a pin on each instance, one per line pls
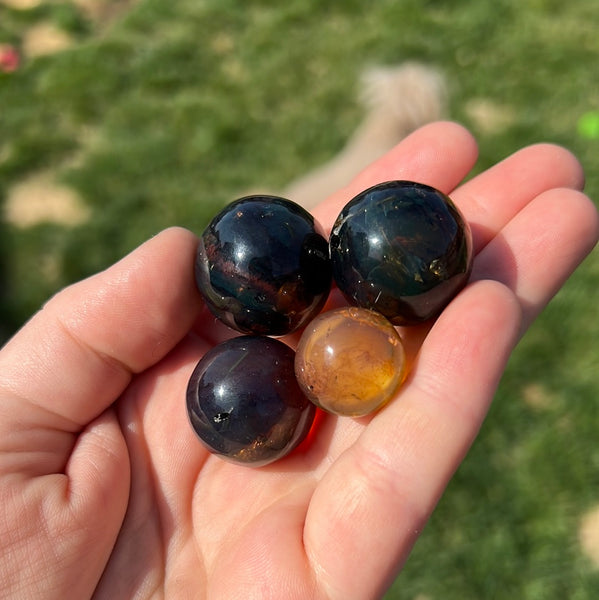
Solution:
(105, 491)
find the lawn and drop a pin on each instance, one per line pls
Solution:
(159, 112)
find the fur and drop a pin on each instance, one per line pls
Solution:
(398, 100)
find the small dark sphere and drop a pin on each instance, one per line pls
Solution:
(402, 249)
(244, 402)
(263, 266)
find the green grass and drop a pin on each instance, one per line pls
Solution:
(178, 107)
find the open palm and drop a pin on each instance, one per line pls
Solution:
(105, 491)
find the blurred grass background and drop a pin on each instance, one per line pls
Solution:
(159, 112)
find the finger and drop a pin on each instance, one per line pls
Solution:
(540, 247)
(374, 500)
(490, 200)
(76, 356)
(440, 154)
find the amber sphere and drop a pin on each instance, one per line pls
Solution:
(244, 402)
(350, 361)
(263, 266)
(403, 249)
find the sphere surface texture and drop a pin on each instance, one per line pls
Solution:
(350, 361)
(244, 402)
(263, 266)
(402, 249)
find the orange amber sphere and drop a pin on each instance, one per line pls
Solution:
(350, 361)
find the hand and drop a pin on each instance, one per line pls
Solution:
(106, 492)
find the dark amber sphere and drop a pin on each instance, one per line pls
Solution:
(350, 361)
(402, 249)
(244, 402)
(263, 266)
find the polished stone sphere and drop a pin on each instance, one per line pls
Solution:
(244, 402)
(350, 361)
(263, 266)
(403, 249)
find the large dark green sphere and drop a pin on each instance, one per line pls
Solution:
(263, 266)
(402, 249)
